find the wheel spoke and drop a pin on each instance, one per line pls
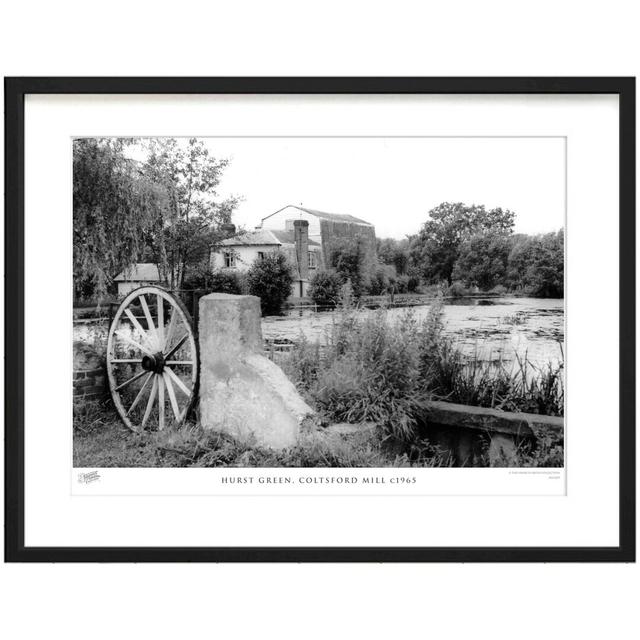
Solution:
(147, 315)
(172, 326)
(172, 396)
(152, 397)
(160, 403)
(178, 345)
(138, 326)
(130, 380)
(137, 345)
(179, 382)
(175, 362)
(139, 396)
(160, 304)
(126, 360)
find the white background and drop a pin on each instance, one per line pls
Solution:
(586, 516)
(489, 38)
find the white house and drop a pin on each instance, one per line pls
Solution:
(141, 274)
(241, 251)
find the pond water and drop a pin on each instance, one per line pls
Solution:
(494, 329)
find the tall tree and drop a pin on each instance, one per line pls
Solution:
(394, 252)
(114, 211)
(437, 247)
(188, 226)
(536, 265)
(483, 260)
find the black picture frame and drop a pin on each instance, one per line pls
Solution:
(15, 91)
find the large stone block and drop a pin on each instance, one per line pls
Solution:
(242, 392)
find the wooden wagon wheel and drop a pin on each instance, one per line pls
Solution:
(152, 359)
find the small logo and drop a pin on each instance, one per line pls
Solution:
(90, 476)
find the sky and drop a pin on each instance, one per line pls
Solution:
(394, 182)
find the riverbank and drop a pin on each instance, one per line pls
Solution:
(106, 308)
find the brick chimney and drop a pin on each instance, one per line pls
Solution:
(301, 239)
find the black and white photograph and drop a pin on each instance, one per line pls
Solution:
(346, 302)
(321, 320)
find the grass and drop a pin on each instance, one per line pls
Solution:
(523, 387)
(102, 440)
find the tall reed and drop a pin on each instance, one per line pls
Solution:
(382, 370)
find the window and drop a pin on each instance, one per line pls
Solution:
(229, 259)
(313, 263)
(260, 255)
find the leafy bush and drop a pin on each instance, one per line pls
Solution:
(270, 279)
(458, 290)
(370, 372)
(548, 452)
(383, 280)
(402, 284)
(324, 288)
(226, 282)
(499, 290)
(413, 283)
(196, 279)
(379, 283)
(219, 281)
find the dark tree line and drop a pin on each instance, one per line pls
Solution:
(476, 247)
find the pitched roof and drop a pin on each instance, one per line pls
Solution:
(140, 272)
(257, 237)
(288, 237)
(336, 217)
(263, 237)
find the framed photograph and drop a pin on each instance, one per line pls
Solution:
(320, 319)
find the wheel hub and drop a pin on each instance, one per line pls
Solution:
(153, 363)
